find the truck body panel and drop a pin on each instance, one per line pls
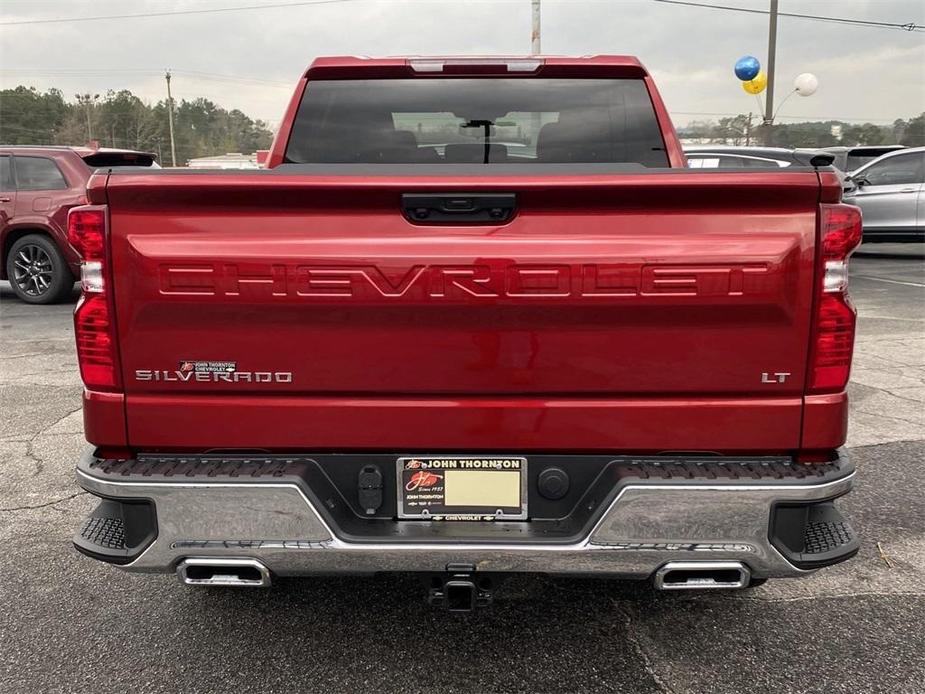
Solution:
(584, 294)
(477, 318)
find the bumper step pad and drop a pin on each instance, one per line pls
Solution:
(727, 469)
(106, 533)
(824, 536)
(117, 531)
(813, 536)
(651, 468)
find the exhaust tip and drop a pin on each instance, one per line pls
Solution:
(702, 575)
(218, 571)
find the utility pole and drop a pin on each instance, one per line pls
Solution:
(535, 49)
(173, 145)
(748, 130)
(87, 100)
(769, 98)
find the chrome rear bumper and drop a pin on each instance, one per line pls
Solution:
(646, 525)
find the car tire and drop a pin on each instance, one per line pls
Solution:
(37, 271)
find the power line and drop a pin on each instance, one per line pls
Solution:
(193, 73)
(908, 26)
(233, 78)
(801, 119)
(242, 8)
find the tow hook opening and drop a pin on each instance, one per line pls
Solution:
(461, 589)
(696, 575)
(208, 571)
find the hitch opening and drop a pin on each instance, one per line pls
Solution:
(460, 589)
(460, 596)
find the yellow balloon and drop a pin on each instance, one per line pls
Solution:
(757, 85)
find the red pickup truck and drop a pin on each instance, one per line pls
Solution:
(476, 318)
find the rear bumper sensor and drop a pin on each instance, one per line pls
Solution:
(286, 513)
(811, 536)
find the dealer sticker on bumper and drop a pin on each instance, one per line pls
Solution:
(470, 488)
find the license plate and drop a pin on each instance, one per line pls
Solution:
(462, 488)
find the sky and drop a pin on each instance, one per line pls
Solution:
(250, 59)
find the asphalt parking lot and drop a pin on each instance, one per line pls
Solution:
(70, 624)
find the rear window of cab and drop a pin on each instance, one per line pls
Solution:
(477, 121)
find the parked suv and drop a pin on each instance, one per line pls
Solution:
(891, 192)
(38, 185)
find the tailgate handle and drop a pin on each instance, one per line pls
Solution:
(458, 208)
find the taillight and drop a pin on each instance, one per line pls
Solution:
(93, 317)
(95, 345)
(86, 232)
(835, 319)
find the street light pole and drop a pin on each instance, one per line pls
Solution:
(173, 146)
(772, 53)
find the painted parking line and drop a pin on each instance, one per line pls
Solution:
(883, 279)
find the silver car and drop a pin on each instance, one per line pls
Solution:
(848, 159)
(891, 193)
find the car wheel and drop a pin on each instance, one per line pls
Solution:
(37, 271)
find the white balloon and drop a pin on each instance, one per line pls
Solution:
(806, 84)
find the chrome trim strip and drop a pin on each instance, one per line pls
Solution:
(214, 485)
(645, 522)
(586, 543)
(785, 491)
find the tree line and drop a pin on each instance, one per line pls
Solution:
(202, 128)
(121, 119)
(744, 130)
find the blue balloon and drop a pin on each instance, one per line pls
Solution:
(747, 68)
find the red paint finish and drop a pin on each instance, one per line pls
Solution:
(825, 421)
(639, 312)
(415, 423)
(626, 287)
(104, 418)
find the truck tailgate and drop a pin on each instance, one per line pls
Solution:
(668, 310)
